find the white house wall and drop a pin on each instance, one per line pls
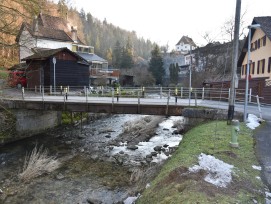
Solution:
(26, 42)
(43, 43)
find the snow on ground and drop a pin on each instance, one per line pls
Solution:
(219, 172)
(253, 121)
(164, 136)
(257, 167)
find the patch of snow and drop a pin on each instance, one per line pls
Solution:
(268, 194)
(253, 121)
(219, 172)
(257, 167)
(257, 177)
(267, 198)
(130, 200)
(148, 185)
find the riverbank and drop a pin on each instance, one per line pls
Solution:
(187, 178)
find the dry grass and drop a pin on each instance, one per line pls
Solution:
(37, 163)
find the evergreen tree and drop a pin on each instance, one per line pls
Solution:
(127, 55)
(116, 58)
(173, 73)
(156, 65)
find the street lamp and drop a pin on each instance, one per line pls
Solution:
(54, 61)
(254, 26)
(190, 74)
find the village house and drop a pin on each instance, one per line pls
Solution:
(49, 33)
(260, 59)
(185, 44)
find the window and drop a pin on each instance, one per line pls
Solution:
(259, 43)
(258, 67)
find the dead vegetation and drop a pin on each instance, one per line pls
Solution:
(37, 163)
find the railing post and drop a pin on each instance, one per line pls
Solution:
(118, 92)
(259, 107)
(35, 89)
(181, 92)
(176, 96)
(168, 101)
(50, 89)
(85, 90)
(203, 93)
(143, 92)
(23, 93)
(229, 93)
(40, 88)
(112, 96)
(66, 93)
(61, 90)
(87, 95)
(68, 89)
(196, 104)
(138, 102)
(250, 92)
(161, 92)
(42, 93)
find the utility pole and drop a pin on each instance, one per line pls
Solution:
(234, 79)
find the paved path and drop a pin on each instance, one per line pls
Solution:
(263, 150)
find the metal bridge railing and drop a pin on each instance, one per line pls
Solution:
(177, 93)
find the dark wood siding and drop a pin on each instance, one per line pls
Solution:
(69, 73)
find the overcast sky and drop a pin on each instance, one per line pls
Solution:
(165, 22)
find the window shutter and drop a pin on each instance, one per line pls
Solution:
(269, 65)
(264, 40)
(263, 66)
(258, 67)
(253, 67)
(259, 43)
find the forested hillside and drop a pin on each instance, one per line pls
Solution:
(108, 40)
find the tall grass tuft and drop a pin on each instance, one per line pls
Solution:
(37, 163)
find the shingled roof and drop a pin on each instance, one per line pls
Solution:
(265, 22)
(44, 54)
(186, 40)
(49, 27)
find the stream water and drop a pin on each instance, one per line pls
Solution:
(94, 167)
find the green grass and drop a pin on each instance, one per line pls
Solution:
(211, 138)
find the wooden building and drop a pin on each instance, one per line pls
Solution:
(70, 69)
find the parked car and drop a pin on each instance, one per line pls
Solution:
(17, 79)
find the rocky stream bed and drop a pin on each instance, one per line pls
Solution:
(104, 161)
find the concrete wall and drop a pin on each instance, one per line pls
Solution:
(20, 124)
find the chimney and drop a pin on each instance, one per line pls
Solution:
(35, 25)
(74, 34)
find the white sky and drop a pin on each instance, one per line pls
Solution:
(165, 22)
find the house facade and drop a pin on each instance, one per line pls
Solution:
(260, 52)
(68, 69)
(185, 44)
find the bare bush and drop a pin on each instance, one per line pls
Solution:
(37, 163)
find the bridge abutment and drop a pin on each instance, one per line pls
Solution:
(19, 124)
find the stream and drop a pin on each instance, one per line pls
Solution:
(103, 161)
